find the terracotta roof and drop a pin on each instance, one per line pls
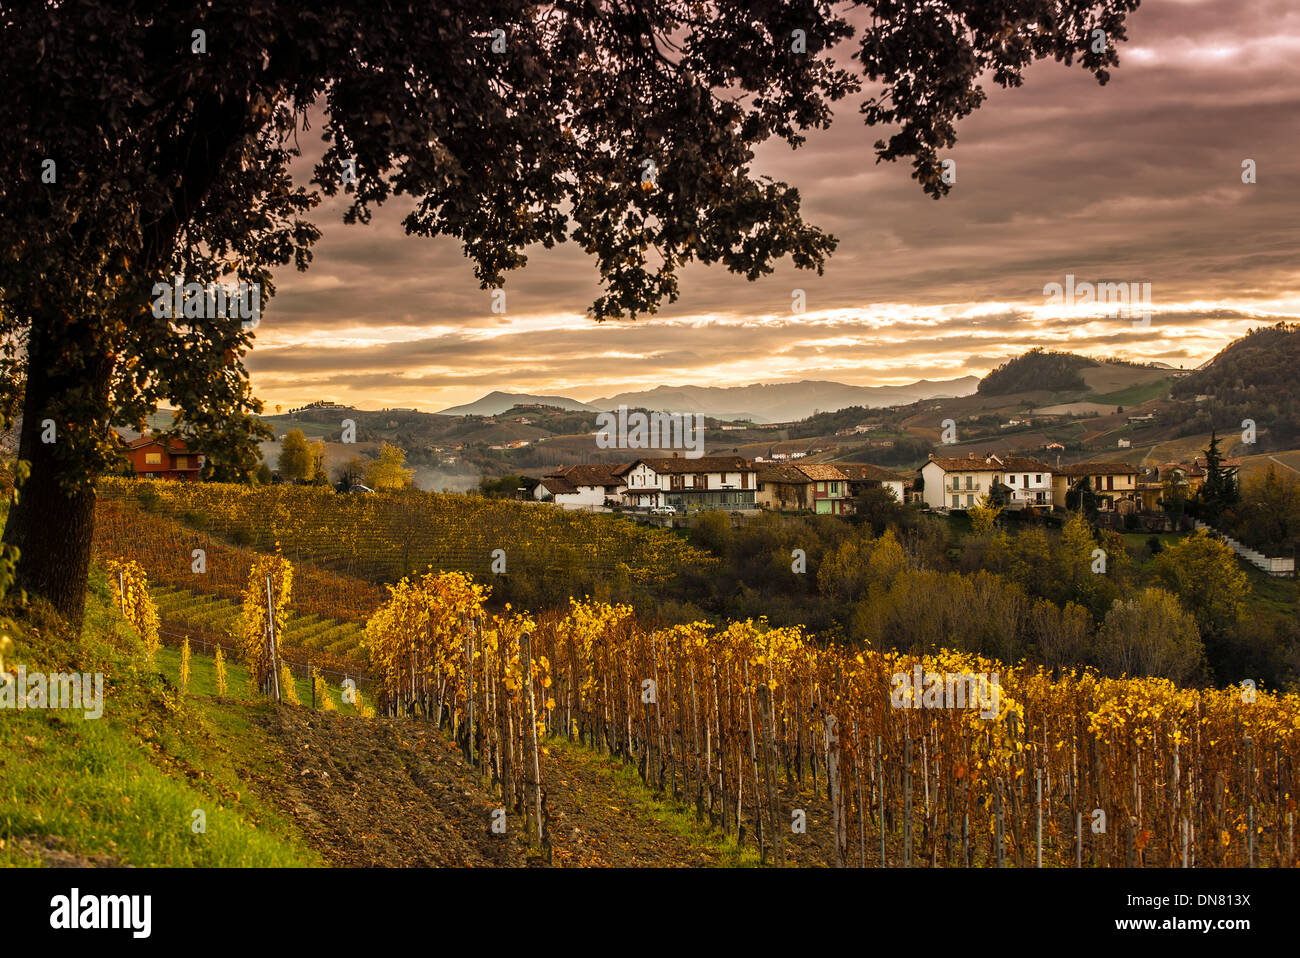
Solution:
(970, 463)
(592, 474)
(558, 485)
(1021, 464)
(173, 444)
(861, 471)
(821, 472)
(783, 473)
(677, 465)
(1099, 469)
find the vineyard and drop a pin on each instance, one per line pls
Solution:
(220, 616)
(1076, 770)
(758, 730)
(546, 554)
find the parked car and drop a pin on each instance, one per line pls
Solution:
(360, 488)
(663, 511)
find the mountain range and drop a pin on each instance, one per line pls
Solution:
(761, 403)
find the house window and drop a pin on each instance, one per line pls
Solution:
(970, 501)
(1110, 482)
(956, 502)
(969, 482)
(153, 458)
(182, 462)
(1011, 480)
(1040, 498)
(1026, 481)
(821, 487)
(1038, 479)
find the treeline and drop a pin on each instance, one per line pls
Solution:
(1077, 597)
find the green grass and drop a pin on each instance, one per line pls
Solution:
(1135, 395)
(203, 679)
(125, 786)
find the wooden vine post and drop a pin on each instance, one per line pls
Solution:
(766, 721)
(526, 656)
(274, 677)
(836, 791)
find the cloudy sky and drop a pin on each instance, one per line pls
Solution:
(1137, 181)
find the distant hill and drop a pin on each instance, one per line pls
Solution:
(784, 402)
(1037, 369)
(497, 402)
(1253, 378)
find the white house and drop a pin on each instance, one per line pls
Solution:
(709, 482)
(582, 487)
(952, 483)
(955, 483)
(1029, 480)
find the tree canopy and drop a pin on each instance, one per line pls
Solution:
(150, 142)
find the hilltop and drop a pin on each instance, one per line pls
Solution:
(1253, 378)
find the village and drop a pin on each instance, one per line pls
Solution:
(676, 485)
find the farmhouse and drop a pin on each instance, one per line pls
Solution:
(709, 482)
(582, 487)
(154, 458)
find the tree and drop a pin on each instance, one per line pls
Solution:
(350, 473)
(507, 487)
(844, 573)
(983, 515)
(297, 457)
(1219, 490)
(1204, 573)
(999, 493)
(1061, 636)
(628, 128)
(1080, 496)
(389, 470)
(1268, 516)
(1149, 635)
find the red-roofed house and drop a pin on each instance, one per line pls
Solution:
(154, 458)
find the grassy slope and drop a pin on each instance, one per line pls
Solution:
(122, 789)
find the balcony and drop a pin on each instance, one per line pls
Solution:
(957, 487)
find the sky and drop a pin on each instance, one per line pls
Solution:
(1137, 181)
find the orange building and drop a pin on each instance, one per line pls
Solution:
(152, 459)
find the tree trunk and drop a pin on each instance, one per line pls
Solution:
(53, 522)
